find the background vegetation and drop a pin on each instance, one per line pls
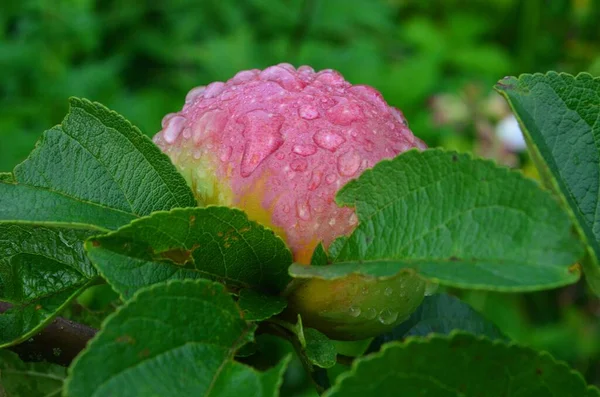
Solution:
(435, 59)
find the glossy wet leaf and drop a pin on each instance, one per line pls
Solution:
(217, 243)
(259, 307)
(41, 269)
(560, 117)
(19, 379)
(457, 221)
(459, 364)
(174, 339)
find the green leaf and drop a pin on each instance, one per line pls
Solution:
(319, 349)
(42, 268)
(217, 243)
(173, 339)
(441, 314)
(19, 379)
(560, 118)
(459, 364)
(97, 156)
(40, 205)
(456, 220)
(319, 256)
(7, 177)
(259, 307)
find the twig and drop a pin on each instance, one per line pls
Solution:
(58, 343)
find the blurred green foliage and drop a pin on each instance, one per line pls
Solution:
(141, 57)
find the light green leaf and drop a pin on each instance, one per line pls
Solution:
(217, 243)
(459, 365)
(319, 349)
(258, 307)
(560, 118)
(97, 156)
(441, 314)
(173, 339)
(458, 221)
(19, 379)
(42, 269)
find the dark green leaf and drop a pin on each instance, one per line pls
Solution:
(456, 220)
(34, 204)
(560, 117)
(97, 156)
(319, 349)
(173, 339)
(41, 269)
(459, 365)
(258, 307)
(218, 243)
(19, 379)
(319, 256)
(7, 177)
(441, 314)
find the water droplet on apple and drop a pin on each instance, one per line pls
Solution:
(355, 311)
(328, 140)
(387, 316)
(348, 163)
(308, 112)
(263, 138)
(304, 150)
(174, 127)
(303, 211)
(194, 93)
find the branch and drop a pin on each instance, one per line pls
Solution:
(58, 343)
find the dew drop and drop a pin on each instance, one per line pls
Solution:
(370, 313)
(280, 156)
(263, 137)
(348, 163)
(315, 180)
(299, 165)
(187, 133)
(330, 178)
(431, 288)
(194, 93)
(355, 311)
(305, 69)
(214, 89)
(328, 140)
(330, 77)
(243, 76)
(387, 316)
(210, 123)
(331, 222)
(166, 118)
(304, 150)
(345, 112)
(370, 95)
(303, 211)
(173, 129)
(353, 220)
(308, 112)
(225, 153)
(388, 291)
(286, 208)
(280, 74)
(197, 154)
